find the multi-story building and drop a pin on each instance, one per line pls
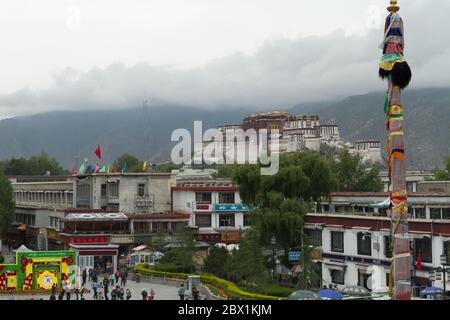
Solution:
(296, 132)
(413, 179)
(215, 208)
(127, 193)
(354, 235)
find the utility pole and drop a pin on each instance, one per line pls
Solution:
(395, 69)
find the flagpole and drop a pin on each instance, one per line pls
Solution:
(396, 70)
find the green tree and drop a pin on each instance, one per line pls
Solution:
(40, 164)
(183, 254)
(353, 175)
(133, 163)
(216, 260)
(7, 204)
(444, 173)
(247, 263)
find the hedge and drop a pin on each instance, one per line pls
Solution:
(230, 288)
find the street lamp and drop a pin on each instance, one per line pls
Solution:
(444, 270)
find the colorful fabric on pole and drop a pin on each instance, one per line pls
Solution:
(82, 169)
(90, 169)
(144, 167)
(98, 152)
(124, 168)
(102, 170)
(96, 167)
(74, 171)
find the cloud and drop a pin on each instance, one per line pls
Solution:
(281, 73)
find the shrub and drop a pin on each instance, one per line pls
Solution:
(2, 259)
(230, 288)
(168, 267)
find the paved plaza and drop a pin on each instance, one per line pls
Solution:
(162, 292)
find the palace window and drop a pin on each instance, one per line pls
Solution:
(114, 189)
(419, 213)
(435, 213)
(203, 197)
(226, 220)
(203, 220)
(423, 247)
(446, 213)
(337, 276)
(387, 247)
(315, 236)
(364, 243)
(226, 197)
(103, 191)
(337, 241)
(141, 190)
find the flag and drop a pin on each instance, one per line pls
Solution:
(98, 152)
(103, 170)
(115, 167)
(144, 167)
(419, 262)
(124, 169)
(82, 169)
(90, 168)
(96, 168)
(108, 169)
(74, 171)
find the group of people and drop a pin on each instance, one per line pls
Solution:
(148, 296)
(182, 292)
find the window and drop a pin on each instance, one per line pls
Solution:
(419, 213)
(226, 197)
(423, 247)
(141, 190)
(141, 227)
(226, 220)
(203, 220)
(103, 191)
(446, 213)
(387, 247)
(410, 187)
(435, 213)
(364, 243)
(113, 207)
(247, 221)
(337, 276)
(447, 250)
(114, 190)
(337, 241)
(315, 236)
(203, 197)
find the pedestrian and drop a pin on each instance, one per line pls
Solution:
(101, 291)
(144, 294)
(122, 293)
(106, 288)
(112, 279)
(195, 293)
(117, 275)
(123, 277)
(83, 276)
(11, 296)
(90, 274)
(77, 293)
(128, 294)
(152, 293)
(114, 294)
(61, 294)
(81, 293)
(181, 291)
(95, 289)
(68, 290)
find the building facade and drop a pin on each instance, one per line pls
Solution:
(354, 236)
(215, 208)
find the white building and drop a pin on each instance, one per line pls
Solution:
(215, 207)
(353, 238)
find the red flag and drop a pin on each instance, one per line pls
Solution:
(98, 152)
(419, 262)
(115, 167)
(74, 171)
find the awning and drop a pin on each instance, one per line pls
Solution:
(333, 265)
(22, 227)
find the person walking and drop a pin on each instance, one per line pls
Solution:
(144, 294)
(106, 287)
(128, 294)
(112, 279)
(95, 289)
(84, 276)
(90, 274)
(124, 277)
(68, 290)
(61, 294)
(117, 274)
(195, 293)
(181, 291)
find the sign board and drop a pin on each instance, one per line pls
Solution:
(90, 240)
(294, 255)
(231, 207)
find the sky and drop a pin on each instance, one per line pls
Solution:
(264, 54)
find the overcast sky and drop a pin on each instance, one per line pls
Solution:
(61, 55)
